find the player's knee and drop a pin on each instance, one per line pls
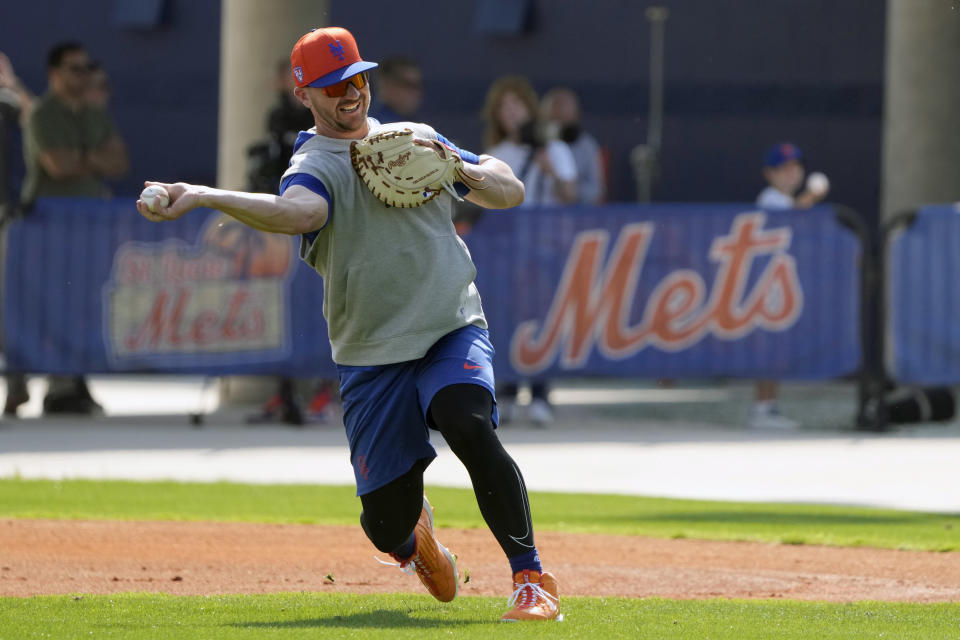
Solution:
(390, 513)
(385, 536)
(465, 430)
(463, 413)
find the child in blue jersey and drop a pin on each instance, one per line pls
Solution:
(784, 172)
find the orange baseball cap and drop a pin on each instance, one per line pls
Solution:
(326, 56)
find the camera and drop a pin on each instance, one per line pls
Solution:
(532, 134)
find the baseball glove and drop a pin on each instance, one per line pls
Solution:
(404, 173)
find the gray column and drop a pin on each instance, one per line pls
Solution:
(921, 130)
(254, 34)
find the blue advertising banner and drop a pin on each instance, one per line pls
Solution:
(622, 290)
(91, 286)
(923, 292)
(670, 291)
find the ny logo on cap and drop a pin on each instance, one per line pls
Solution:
(298, 72)
(337, 49)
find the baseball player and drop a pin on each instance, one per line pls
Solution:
(405, 323)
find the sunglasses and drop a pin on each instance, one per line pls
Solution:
(339, 89)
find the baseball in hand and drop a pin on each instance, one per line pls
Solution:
(818, 183)
(155, 197)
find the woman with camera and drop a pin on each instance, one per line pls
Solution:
(547, 168)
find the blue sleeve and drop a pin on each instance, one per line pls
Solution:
(313, 184)
(467, 156)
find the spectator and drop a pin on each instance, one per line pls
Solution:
(70, 147)
(268, 159)
(16, 102)
(784, 172)
(561, 111)
(548, 171)
(515, 135)
(266, 162)
(399, 90)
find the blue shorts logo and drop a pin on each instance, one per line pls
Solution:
(337, 50)
(298, 72)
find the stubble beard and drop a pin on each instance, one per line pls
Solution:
(351, 123)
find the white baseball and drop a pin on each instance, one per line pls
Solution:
(818, 183)
(155, 197)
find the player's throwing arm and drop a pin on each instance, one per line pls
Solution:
(298, 210)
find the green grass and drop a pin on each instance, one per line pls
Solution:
(656, 517)
(310, 615)
(393, 616)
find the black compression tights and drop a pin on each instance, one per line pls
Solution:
(461, 412)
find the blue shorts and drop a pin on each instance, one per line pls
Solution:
(385, 406)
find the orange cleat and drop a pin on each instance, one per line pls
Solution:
(535, 597)
(432, 562)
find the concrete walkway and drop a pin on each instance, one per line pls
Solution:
(607, 439)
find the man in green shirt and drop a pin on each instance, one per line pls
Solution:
(70, 147)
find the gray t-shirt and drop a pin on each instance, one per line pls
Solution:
(395, 280)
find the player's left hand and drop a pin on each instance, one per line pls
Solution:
(183, 198)
(436, 145)
(444, 152)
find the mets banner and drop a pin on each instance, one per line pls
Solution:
(923, 295)
(670, 290)
(622, 290)
(91, 286)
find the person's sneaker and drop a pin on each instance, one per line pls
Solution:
(269, 412)
(535, 597)
(539, 412)
(291, 413)
(70, 403)
(771, 419)
(15, 398)
(432, 562)
(278, 409)
(93, 407)
(319, 408)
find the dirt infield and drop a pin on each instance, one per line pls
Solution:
(60, 557)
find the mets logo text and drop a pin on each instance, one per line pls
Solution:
(223, 295)
(593, 302)
(337, 50)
